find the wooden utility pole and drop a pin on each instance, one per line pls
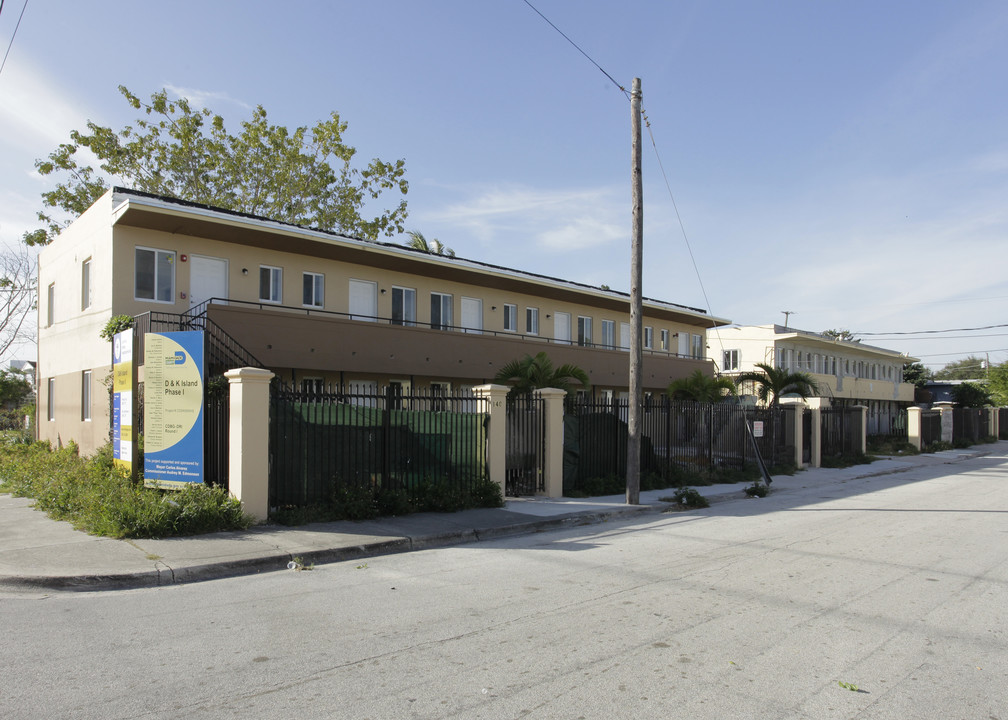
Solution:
(636, 301)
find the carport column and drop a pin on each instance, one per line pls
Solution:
(859, 428)
(496, 406)
(815, 442)
(914, 429)
(248, 439)
(553, 407)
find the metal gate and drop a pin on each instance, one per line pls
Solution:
(525, 457)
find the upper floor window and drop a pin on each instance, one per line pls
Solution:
(698, 346)
(510, 317)
(648, 338)
(270, 283)
(313, 294)
(51, 399)
(532, 321)
(403, 306)
(154, 276)
(86, 284)
(584, 331)
(608, 334)
(730, 360)
(441, 311)
(51, 305)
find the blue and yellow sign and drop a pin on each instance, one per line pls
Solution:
(173, 408)
(122, 400)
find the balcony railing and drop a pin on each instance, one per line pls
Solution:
(201, 310)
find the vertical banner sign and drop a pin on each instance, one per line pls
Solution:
(173, 409)
(122, 400)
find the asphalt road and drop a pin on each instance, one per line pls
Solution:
(896, 585)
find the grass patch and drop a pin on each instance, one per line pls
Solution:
(845, 460)
(99, 499)
(889, 446)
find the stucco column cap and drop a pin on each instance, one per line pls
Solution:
(248, 374)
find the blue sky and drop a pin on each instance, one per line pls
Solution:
(844, 160)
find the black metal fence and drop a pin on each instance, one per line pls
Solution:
(675, 437)
(525, 458)
(321, 442)
(970, 424)
(1003, 423)
(931, 430)
(837, 432)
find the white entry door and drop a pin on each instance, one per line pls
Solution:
(472, 315)
(562, 327)
(208, 278)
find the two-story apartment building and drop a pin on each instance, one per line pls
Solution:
(322, 309)
(847, 373)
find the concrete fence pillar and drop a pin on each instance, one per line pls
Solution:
(815, 456)
(553, 402)
(248, 439)
(797, 413)
(495, 405)
(915, 428)
(947, 420)
(993, 424)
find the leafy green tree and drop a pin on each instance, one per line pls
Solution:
(971, 368)
(701, 388)
(417, 241)
(971, 395)
(917, 374)
(998, 383)
(775, 382)
(533, 373)
(14, 389)
(305, 176)
(841, 334)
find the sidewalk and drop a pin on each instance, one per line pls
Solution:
(42, 554)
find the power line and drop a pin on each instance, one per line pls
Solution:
(14, 34)
(578, 48)
(930, 332)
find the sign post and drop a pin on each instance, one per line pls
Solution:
(173, 409)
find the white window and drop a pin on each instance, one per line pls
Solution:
(562, 327)
(472, 315)
(440, 311)
(664, 339)
(532, 321)
(698, 346)
(730, 360)
(313, 293)
(154, 275)
(86, 395)
(363, 300)
(403, 306)
(510, 317)
(684, 345)
(51, 399)
(86, 284)
(624, 336)
(270, 284)
(584, 331)
(51, 305)
(608, 334)
(648, 338)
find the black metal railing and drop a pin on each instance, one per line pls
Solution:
(366, 437)
(931, 430)
(525, 456)
(836, 431)
(201, 310)
(970, 425)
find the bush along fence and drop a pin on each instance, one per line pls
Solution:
(950, 426)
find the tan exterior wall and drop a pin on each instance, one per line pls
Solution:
(69, 423)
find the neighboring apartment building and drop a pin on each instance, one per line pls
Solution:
(847, 373)
(322, 309)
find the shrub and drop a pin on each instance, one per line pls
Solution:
(688, 497)
(757, 489)
(937, 446)
(845, 460)
(101, 500)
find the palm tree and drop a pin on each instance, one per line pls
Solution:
(434, 247)
(776, 382)
(532, 373)
(701, 388)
